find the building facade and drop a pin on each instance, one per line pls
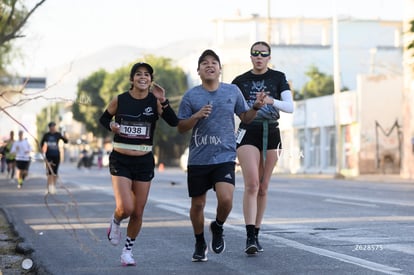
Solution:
(370, 137)
(370, 68)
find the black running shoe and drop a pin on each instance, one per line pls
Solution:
(251, 247)
(217, 244)
(259, 247)
(200, 253)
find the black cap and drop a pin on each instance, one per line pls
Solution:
(51, 124)
(140, 64)
(210, 53)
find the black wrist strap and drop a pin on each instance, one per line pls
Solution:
(106, 119)
(165, 103)
(169, 116)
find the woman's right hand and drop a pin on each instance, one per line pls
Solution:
(115, 127)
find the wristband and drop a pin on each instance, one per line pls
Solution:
(165, 103)
(169, 116)
(105, 120)
(255, 108)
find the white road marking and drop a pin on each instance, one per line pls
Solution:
(319, 251)
(351, 203)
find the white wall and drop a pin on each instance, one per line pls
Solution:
(380, 105)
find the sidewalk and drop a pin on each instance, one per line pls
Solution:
(13, 250)
(11, 255)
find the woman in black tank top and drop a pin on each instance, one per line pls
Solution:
(131, 163)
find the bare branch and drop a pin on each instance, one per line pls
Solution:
(14, 33)
(8, 94)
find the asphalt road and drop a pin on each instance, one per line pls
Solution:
(312, 226)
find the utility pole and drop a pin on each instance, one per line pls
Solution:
(269, 24)
(337, 91)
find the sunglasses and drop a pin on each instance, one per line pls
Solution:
(263, 54)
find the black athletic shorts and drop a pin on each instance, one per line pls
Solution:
(254, 136)
(23, 164)
(54, 162)
(10, 161)
(201, 178)
(132, 167)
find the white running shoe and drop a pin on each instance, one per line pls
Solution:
(126, 258)
(114, 232)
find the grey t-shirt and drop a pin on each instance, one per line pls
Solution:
(213, 139)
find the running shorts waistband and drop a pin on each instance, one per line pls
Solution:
(135, 147)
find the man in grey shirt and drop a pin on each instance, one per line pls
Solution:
(208, 110)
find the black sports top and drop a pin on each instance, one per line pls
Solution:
(52, 141)
(137, 119)
(271, 81)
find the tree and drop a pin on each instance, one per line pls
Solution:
(89, 103)
(319, 84)
(96, 91)
(169, 143)
(13, 17)
(411, 31)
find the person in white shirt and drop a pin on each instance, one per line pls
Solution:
(22, 149)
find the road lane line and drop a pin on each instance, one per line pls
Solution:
(354, 198)
(338, 256)
(351, 203)
(319, 251)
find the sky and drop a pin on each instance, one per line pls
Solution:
(63, 30)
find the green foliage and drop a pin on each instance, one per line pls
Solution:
(13, 17)
(169, 142)
(319, 84)
(89, 103)
(4, 58)
(411, 44)
(97, 90)
(114, 84)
